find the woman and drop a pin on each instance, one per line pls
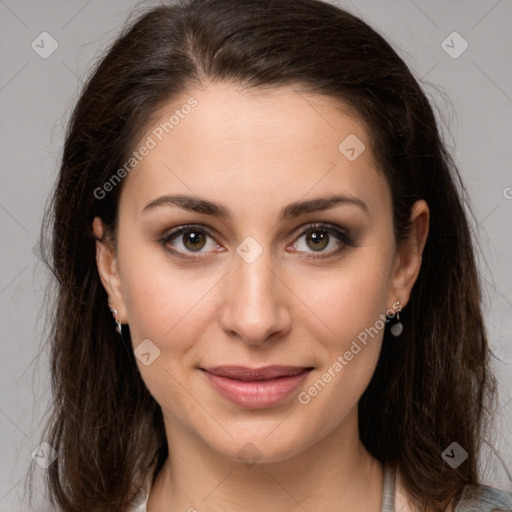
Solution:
(268, 297)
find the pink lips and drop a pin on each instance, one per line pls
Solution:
(256, 388)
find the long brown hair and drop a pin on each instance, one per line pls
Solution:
(432, 386)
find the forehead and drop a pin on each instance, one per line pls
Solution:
(254, 146)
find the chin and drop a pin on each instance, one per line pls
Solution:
(262, 445)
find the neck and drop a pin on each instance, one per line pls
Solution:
(336, 473)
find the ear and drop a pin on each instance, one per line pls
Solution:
(409, 253)
(106, 261)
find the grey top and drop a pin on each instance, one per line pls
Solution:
(388, 491)
(480, 498)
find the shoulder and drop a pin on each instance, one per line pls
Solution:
(483, 498)
(474, 498)
(140, 502)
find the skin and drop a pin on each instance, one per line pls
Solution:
(255, 152)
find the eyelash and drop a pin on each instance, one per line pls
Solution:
(340, 234)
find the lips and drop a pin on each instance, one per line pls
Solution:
(251, 374)
(256, 388)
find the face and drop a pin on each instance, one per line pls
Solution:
(265, 283)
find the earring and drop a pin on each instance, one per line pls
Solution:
(118, 323)
(397, 328)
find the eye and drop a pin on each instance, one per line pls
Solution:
(319, 236)
(191, 239)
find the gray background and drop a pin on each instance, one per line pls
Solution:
(473, 94)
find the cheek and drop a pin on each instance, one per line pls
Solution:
(351, 304)
(167, 306)
(352, 298)
(160, 297)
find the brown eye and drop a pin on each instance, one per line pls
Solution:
(317, 240)
(193, 240)
(319, 237)
(185, 241)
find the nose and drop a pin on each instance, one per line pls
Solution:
(254, 307)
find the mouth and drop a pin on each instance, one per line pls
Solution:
(256, 388)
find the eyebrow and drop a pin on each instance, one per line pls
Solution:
(293, 210)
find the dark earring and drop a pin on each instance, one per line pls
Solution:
(397, 328)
